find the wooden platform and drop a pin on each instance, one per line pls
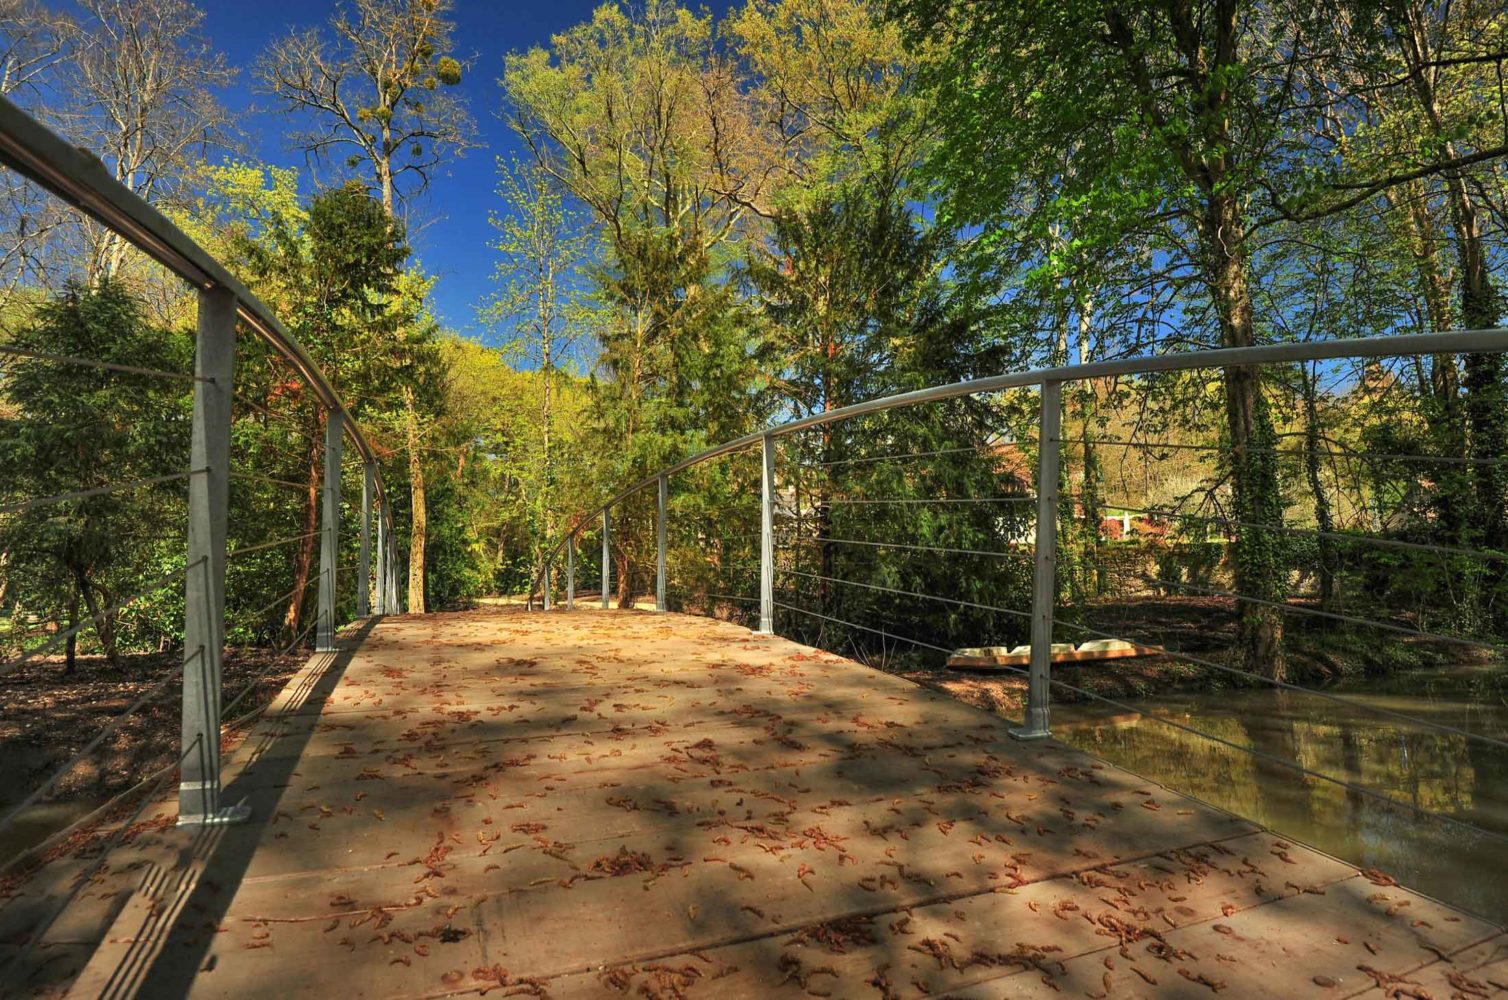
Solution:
(601, 803)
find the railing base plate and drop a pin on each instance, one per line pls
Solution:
(1025, 735)
(227, 816)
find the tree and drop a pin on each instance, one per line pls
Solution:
(640, 119)
(334, 270)
(1170, 117)
(836, 86)
(379, 93)
(542, 254)
(34, 41)
(78, 428)
(141, 97)
(858, 307)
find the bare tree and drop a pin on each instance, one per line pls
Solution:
(377, 94)
(375, 99)
(33, 42)
(142, 99)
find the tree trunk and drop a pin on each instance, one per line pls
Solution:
(624, 567)
(1323, 517)
(303, 556)
(1455, 499)
(1486, 397)
(103, 627)
(420, 515)
(1258, 559)
(70, 657)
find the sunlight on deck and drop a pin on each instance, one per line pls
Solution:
(599, 803)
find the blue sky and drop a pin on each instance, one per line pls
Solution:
(453, 242)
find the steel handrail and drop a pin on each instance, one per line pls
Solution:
(81, 179)
(1488, 340)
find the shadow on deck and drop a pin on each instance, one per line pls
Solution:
(599, 803)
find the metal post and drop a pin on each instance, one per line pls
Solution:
(329, 538)
(391, 582)
(607, 562)
(767, 540)
(571, 571)
(1044, 583)
(204, 588)
(364, 556)
(660, 541)
(379, 587)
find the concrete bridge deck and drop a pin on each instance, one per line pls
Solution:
(621, 803)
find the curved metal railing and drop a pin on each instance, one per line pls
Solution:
(224, 305)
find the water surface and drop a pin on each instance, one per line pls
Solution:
(1427, 770)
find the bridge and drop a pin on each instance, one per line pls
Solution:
(594, 802)
(563, 799)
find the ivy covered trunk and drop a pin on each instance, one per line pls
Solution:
(1257, 555)
(1324, 517)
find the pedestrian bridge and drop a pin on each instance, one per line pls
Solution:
(598, 803)
(586, 802)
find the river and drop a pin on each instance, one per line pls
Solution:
(1444, 773)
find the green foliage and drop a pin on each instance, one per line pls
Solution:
(77, 427)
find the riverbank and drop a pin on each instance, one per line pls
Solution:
(1321, 653)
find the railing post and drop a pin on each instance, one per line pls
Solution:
(364, 556)
(607, 558)
(329, 539)
(394, 605)
(1044, 578)
(204, 587)
(664, 497)
(379, 586)
(571, 571)
(767, 539)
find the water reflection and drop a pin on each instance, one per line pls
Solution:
(1442, 772)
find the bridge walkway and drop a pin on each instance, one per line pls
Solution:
(599, 803)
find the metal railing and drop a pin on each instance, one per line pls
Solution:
(1038, 539)
(224, 306)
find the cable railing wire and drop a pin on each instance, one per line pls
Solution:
(1281, 762)
(115, 724)
(276, 661)
(1338, 536)
(122, 487)
(87, 876)
(1292, 765)
(92, 620)
(908, 593)
(865, 628)
(288, 420)
(279, 600)
(841, 501)
(258, 478)
(274, 543)
(105, 365)
(1298, 452)
(982, 453)
(1299, 609)
(926, 548)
